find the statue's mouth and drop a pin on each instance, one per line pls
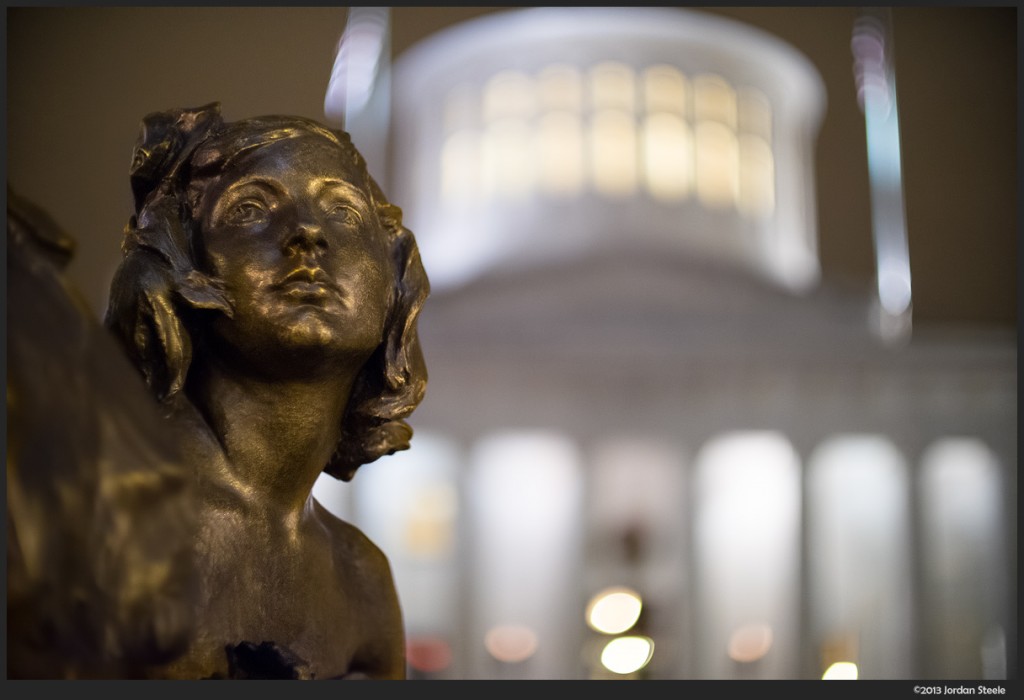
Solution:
(309, 283)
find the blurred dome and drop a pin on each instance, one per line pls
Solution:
(531, 136)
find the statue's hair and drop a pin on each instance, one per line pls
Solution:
(178, 151)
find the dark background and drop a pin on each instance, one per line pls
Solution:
(80, 79)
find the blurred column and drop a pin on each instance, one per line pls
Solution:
(859, 557)
(524, 492)
(636, 540)
(965, 574)
(747, 546)
(408, 504)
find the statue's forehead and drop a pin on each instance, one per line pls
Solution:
(300, 162)
(302, 155)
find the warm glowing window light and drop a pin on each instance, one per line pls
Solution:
(717, 150)
(625, 655)
(638, 107)
(560, 150)
(613, 152)
(560, 87)
(715, 101)
(667, 156)
(718, 165)
(665, 90)
(508, 161)
(841, 671)
(614, 610)
(535, 135)
(509, 93)
(613, 86)
(613, 137)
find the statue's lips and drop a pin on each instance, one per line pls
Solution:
(308, 284)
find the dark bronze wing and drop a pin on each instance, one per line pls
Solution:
(99, 513)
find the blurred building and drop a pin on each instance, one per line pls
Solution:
(640, 383)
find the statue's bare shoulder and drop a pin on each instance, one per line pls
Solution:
(369, 583)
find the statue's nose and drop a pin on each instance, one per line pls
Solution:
(306, 237)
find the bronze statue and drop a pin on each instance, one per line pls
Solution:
(100, 509)
(269, 295)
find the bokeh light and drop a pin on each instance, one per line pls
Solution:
(750, 643)
(428, 654)
(511, 643)
(614, 610)
(841, 671)
(625, 655)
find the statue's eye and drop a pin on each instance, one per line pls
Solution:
(247, 211)
(343, 213)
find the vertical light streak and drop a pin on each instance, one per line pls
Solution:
(876, 91)
(361, 51)
(358, 97)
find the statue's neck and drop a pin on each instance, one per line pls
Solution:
(276, 436)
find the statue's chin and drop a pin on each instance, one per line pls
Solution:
(300, 338)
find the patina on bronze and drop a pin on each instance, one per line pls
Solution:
(100, 516)
(269, 294)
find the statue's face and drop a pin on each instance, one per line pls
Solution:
(292, 234)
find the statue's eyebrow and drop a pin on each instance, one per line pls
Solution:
(349, 190)
(247, 181)
(239, 189)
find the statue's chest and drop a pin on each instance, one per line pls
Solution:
(258, 590)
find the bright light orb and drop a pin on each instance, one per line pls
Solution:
(841, 671)
(625, 655)
(614, 610)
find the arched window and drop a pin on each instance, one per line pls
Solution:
(509, 103)
(717, 149)
(666, 134)
(613, 138)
